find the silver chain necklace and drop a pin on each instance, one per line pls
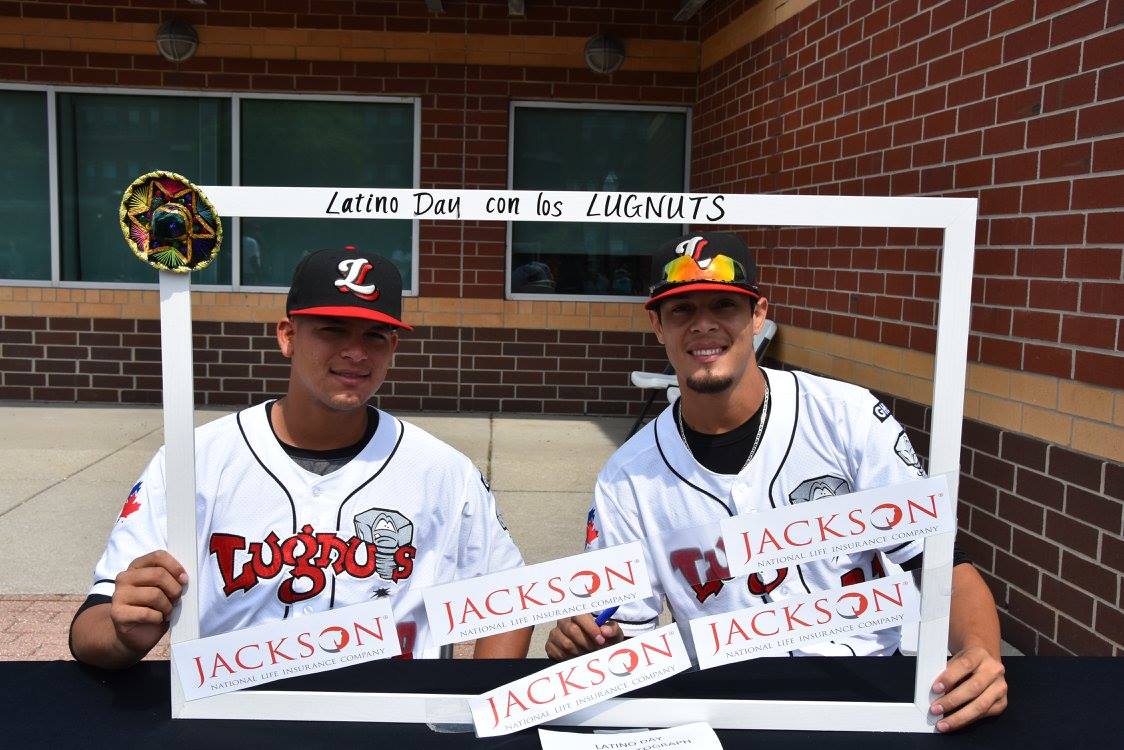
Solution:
(756, 440)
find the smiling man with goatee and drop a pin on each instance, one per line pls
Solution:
(743, 439)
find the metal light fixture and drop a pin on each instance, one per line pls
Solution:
(176, 40)
(604, 53)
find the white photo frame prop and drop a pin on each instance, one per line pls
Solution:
(955, 216)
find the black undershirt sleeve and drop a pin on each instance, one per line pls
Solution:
(958, 557)
(91, 601)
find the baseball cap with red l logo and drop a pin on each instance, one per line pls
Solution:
(347, 283)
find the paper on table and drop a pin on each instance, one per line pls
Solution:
(696, 736)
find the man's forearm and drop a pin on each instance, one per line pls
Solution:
(973, 620)
(511, 645)
(94, 641)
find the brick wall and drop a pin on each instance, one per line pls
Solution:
(237, 364)
(1042, 524)
(1018, 103)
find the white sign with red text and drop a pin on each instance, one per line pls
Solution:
(534, 594)
(580, 682)
(696, 736)
(834, 526)
(777, 627)
(286, 648)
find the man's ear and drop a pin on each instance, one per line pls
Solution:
(657, 327)
(760, 313)
(286, 330)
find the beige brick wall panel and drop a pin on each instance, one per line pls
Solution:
(1086, 401)
(991, 380)
(272, 52)
(1098, 439)
(60, 309)
(1003, 413)
(1047, 425)
(1040, 390)
(318, 53)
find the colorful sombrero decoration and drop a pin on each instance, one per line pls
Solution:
(169, 223)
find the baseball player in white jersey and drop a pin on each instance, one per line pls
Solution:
(310, 502)
(741, 439)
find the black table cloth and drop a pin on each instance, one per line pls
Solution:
(1054, 703)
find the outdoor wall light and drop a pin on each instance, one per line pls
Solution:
(176, 40)
(604, 53)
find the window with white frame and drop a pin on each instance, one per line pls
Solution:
(295, 143)
(106, 139)
(106, 142)
(25, 186)
(593, 148)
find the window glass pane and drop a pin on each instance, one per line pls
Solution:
(106, 142)
(324, 144)
(592, 150)
(25, 210)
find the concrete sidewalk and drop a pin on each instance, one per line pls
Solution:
(69, 468)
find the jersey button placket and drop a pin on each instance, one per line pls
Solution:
(741, 495)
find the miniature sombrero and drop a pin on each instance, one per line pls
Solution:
(169, 223)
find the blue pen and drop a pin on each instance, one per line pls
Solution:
(604, 615)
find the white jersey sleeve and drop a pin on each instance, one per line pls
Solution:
(139, 529)
(485, 545)
(608, 524)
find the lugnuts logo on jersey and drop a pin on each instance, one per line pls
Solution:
(819, 488)
(355, 272)
(382, 545)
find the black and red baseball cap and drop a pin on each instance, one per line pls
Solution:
(347, 283)
(703, 262)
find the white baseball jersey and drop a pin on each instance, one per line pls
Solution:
(822, 438)
(278, 541)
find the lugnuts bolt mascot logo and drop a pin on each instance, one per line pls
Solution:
(383, 545)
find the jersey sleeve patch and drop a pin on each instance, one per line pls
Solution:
(591, 532)
(881, 412)
(132, 504)
(905, 452)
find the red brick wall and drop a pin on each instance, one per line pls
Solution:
(1020, 104)
(237, 364)
(1016, 103)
